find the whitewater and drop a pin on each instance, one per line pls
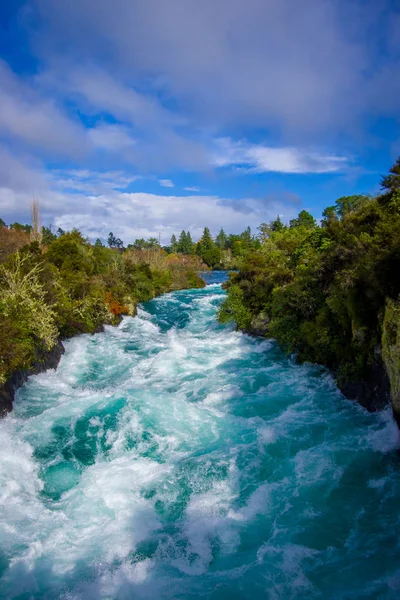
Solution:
(175, 458)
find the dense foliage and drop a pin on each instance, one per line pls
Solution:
(65, 285)
(321, 290)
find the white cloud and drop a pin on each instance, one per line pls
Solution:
(112, 137)
(90, 182)
(166, 183)
(262, 159)
(192, 189)
(103, 91)
(94, 202)
(26, 116)
(309, 67)
(132, 215)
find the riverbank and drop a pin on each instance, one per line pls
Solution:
(49, 294)
(49, 360)
(372, 392)
(329, 292)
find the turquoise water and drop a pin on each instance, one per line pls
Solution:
(173, 457)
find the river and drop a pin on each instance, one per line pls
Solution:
(175, 458)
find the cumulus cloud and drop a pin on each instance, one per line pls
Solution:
(26, 116)
(131, 215)
(96, 203)
(262, 159)
(306, 67)
(161, 138)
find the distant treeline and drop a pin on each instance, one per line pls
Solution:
(222, 251)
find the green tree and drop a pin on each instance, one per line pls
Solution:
(391, 182)
(174, 244)
(2, 223)
(48, 236)
(189, 243)
(114, 242)
(304, 219)
(98, 243)
(111, 240)
(221, 240)
(264, 232)
(205, 243)
(277, 225)
(347, 204)
(330, 216)
(246, 236)
(206, 240)
(19, 227)
(212, 257)
(185, 243)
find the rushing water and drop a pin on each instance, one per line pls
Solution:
(173, 457)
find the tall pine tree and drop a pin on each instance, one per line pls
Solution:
(174, 243)
(221, 240)
(185, 244)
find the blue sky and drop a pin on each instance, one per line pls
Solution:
(146, 116)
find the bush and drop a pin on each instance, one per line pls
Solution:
(70, 287)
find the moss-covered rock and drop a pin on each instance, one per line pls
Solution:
(391, 351)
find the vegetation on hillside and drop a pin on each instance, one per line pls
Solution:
(322, 290)
(65, 285)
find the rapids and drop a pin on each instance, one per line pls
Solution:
(175, 458)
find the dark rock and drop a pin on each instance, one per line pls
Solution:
(47, 360)
(259, 326)
(372, 392)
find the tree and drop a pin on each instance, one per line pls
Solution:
(111, 239)
(153, 242)
(185, 243)
(277, 225)
(221, 240)
(2, 223)
(246, 236)
(212, 257)
(98, 243)
(330, 216)
(206, 239)
(265, 232)
(391, 182)
(347, 204)
(142, 244)
(174, 244)
(205, 243)
(48, 236)
(19, 227)
(304, 219)
(115, 242)
(60, 232)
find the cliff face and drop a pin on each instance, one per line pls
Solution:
(391, 352)
(374, 391)
(48, 360)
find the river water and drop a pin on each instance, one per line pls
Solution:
(173, 457)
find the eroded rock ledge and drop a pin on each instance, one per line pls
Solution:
(48, 360)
